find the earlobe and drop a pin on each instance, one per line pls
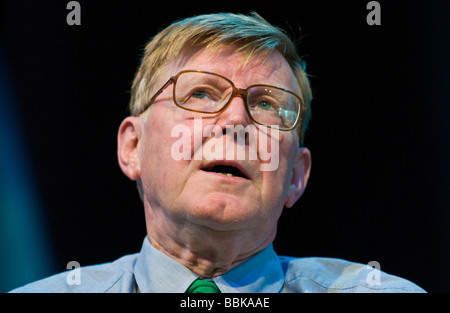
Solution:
(127, 147)
(300, 176)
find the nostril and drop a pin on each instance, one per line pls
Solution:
(239, 133)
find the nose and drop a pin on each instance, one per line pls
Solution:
(235, 113)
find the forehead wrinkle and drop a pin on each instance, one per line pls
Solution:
(260, 69)
(273, 70)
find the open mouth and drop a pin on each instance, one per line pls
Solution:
(227, 170)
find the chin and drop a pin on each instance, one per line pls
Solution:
(224, 212)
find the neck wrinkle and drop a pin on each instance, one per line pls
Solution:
(205, 251)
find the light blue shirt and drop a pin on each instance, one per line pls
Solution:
(266, 272)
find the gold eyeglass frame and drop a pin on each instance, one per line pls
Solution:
(236, 92)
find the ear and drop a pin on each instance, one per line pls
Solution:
(300, 176)
(127, 147)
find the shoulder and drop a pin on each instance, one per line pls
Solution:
(337, 275)
(116, 276)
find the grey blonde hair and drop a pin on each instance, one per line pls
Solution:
(250, 34)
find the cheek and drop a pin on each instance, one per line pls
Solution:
(166, 155)
(274, 189)
(157, 165)
(277, 180)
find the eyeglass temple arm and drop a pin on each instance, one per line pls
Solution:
(302, 117)
(160, 91)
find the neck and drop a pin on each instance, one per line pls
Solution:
(205, 251)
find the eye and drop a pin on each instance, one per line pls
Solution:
(206, 93)
(266, 105)
(200, 94)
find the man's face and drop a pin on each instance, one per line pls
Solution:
(195, 190)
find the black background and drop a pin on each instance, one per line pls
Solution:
(379, 186)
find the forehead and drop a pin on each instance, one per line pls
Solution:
(269, 69)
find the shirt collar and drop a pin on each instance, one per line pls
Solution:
(156, 272)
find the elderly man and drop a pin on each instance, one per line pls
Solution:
(219, 108)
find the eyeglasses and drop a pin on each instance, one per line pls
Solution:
(210, 93)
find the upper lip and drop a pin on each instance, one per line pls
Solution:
(209, 166)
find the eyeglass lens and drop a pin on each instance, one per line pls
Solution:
(209, 93)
